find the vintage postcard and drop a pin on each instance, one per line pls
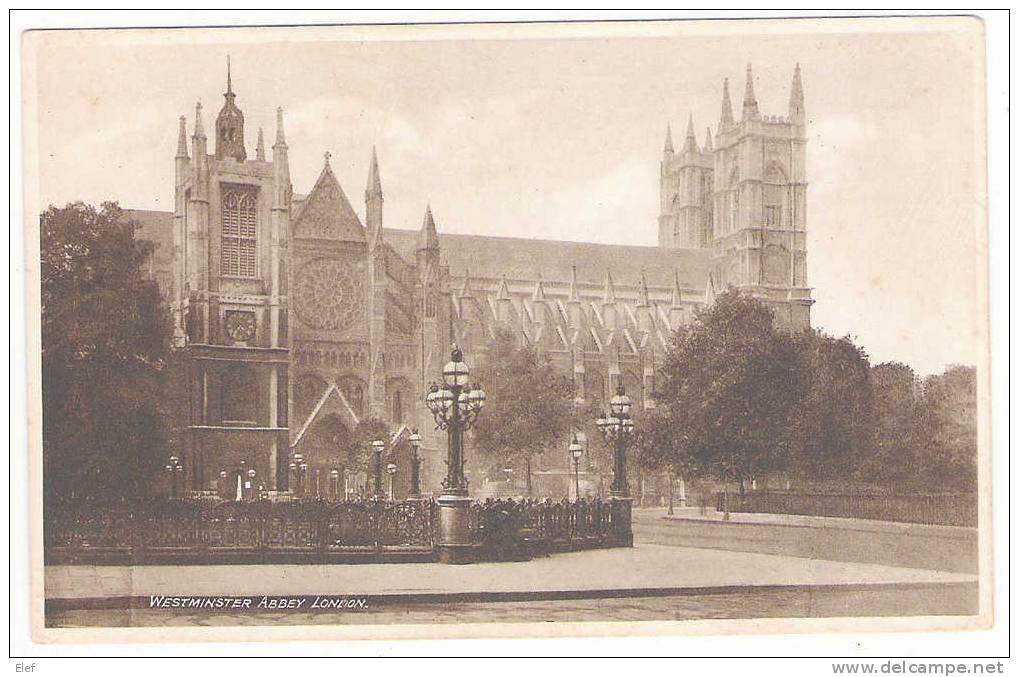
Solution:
(651, 327)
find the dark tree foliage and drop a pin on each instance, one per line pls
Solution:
(529, 408)
(730, 385)
(893, 457)
(105, 348)
(740, 398)
(948, 415)
(833, 422)
(356, 448)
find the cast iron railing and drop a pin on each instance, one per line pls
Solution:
(204, 531)
(238, 531)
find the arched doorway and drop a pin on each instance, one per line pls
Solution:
(324, 449)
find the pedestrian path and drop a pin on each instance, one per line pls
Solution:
(645, 568)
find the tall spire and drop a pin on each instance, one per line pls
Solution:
(281, 167)
(574, 292)
(199, 127)
(539, 290)
(281, 139)
(373, 202)
(668, 140)
(428, 238)
(750, 111)
(709, 291)
(642, 293)
(230, 125)
(182, 139)
(796, 111)
(260, 146)
(374, 182)
(707, 141)
(677, 293)
(503, 293)
(725, 122)
(610, 288)
(690, 144)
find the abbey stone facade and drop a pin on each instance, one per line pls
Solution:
(299, 316)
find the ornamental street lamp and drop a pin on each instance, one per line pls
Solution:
(391, 471)
(617, 429)
(299, 473)
(250, 484)
(671, 511)
(455, 405)
(415, 465)
(378, 446)
(576, 450)
(175, 469)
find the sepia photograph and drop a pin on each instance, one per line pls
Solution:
(508, 330)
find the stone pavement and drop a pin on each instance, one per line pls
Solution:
(645, 567)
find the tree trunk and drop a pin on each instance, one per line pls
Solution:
(530, 487)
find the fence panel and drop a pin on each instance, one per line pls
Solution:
(311, 530)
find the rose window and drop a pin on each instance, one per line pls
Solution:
(328, 294)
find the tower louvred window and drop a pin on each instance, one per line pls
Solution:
(239, 233)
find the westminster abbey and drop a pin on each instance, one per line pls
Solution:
(300, 315)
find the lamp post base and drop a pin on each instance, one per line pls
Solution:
(454, 544)
(622, 523)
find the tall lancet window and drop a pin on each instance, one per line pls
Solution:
(734, 201)
(237, 254)
(774, 192)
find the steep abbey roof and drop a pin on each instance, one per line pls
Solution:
(491, 257)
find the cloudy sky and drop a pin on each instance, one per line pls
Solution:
(556, 132)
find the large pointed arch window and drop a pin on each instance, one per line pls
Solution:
(774, 194)
(239, 221)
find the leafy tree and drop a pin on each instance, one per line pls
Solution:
(529, 404)
(948, 419)
(893, 458)
(730, 384)
(833, 422)
(105, 349)
(356, 448)
(924, 436)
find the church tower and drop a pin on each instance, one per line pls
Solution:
(759, 196)
(231, 221)
(684, 220)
